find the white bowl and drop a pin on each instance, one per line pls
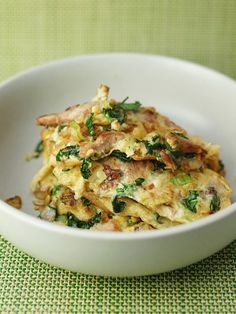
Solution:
(200, 99)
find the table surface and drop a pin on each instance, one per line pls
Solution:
(33, 32)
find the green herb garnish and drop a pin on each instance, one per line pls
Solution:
(68, 151)
(84, 168)
(85, 201)
(191, 200)
(61, 127)
(73, 221)
(38, 149)
(155, 143)
(130, 106)
(120, 155)
(89, 125)
(118, 206)
(118, 111)
(158, 165)
(221, 164)
(128, 189)
(181, 179)
(63, 219)
(115, 113)
(139, 181)
(215, 203)
(55, 189)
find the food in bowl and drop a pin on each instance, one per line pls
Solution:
(119, 166)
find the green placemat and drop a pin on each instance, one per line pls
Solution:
(36, 31)
(30, 286)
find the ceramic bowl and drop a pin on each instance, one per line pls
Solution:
(201, 100)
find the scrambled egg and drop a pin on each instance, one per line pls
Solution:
(117, 166)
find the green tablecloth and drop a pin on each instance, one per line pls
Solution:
(35, 31)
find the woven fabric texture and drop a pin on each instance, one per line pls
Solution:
(36, 31)
(28, 286)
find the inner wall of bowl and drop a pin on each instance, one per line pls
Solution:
(200, 100)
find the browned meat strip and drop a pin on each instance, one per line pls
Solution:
(77, 112)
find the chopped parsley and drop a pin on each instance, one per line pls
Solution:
(85, 201)
(89, 125)
(191, 200)
(215, 203)
(84, 168)
(120, 155)
(181, 179)
(118, 206)
(66, 152)
(73, 221)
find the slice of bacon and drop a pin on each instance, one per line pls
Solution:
(77, 112)
(102, 145)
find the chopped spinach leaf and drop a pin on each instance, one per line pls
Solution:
(61, 127)
(215, 203)
(120, 155)
(52, 207)
(66, 169)
(84, 168)
(191, 200)
(181, 179)
(139, 181)
(221, 164)
(66, 152)
(118, 111)
(115, 113)
(55, 189)
(118, 206)
(85, 201)
(158, 165)
(155, 143)
(128, 189)
(130, 106)
(73, 221)
(89, 125)
(38, 149)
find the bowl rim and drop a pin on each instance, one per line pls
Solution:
(109, 235)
